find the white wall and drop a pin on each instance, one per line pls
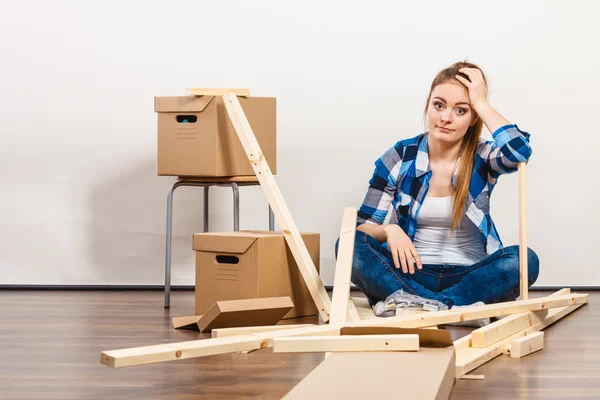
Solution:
(81, 202)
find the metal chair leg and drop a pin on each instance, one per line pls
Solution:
(206, 208)
(236, 206)
(169, 234)
(271, 219)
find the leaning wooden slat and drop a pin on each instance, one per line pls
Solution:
(199, 348)
(343, 268)
(492, 333)
(523, 274)
(476, 312)
(469, 358)
(278, 205)
(466, 341)
(246, 330)
(527, 345)
(346, 343)
(215, 92)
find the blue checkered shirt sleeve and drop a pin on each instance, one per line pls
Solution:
(509, 147)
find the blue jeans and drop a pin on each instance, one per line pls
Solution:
(492, 280)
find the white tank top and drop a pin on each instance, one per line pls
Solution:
(433, 240)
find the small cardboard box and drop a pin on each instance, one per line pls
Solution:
(250, 265)
(427, 374)
(196, 136)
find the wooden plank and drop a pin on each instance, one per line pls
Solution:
(343, 268)
(280, 210)
(476, 312)
(469, 358)
(346, 343)
(246, 330)
(215, 91)
(527, 345)
(149, 354)
(247, 312)
(523, 274)
(494, 332)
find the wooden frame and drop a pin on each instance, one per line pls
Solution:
(274, 197)
(200, 348)
(468, 358)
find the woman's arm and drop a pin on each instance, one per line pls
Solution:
(510, 145)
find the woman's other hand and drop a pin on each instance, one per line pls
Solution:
(403, 251)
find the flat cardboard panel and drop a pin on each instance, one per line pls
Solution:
(424, 375)
(190, 322)
(266, 269)
(209, 146)
(248, 312)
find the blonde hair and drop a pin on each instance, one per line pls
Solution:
(468, 145)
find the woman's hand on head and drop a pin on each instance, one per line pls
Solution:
(403, 251)
(477, 89)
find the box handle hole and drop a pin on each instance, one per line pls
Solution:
(187, 119)
(228, 259)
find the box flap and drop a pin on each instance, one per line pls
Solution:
(427, 337)
(181, 103)
(222, 243)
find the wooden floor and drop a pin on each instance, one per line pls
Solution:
(50, 344)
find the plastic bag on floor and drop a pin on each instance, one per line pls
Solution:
(406, 301)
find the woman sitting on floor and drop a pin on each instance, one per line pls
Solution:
(441, 243)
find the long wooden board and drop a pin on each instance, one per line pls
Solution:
(523, 267)
(215, 91)
(200, 348)
(278, 205)
(346, 343)
(246, 330)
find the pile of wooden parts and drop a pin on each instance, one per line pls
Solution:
(365, 351)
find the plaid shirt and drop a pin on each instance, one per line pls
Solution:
(402, 175)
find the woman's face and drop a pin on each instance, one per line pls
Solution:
(449, 114)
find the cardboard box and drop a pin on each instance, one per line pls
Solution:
(196, 136)
(427, 374)
(250, 265)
